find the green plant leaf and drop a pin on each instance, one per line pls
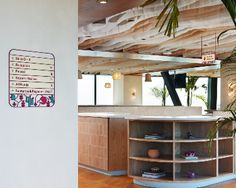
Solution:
(231, 7)
(223, 32)
(147, 2)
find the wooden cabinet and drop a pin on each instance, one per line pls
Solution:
(173, 145)
(103, 143)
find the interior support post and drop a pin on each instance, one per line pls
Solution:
(212, 93)
(171, 88)
(95, 89)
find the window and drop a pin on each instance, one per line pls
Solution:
(199, 95)
(87, 94)
(104, 95)
(86, 90)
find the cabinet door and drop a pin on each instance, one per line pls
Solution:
(93, 142)
(117, 144)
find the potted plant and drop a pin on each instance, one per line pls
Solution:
(169, 17)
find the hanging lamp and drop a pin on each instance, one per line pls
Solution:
(116, 75)
(148, 77)
(80, 74)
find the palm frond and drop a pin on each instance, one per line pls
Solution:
(147, 2)
(168, 16)
(231, 7)
(223, 32)
(231, 58)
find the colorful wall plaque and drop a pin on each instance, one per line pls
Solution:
(31, 79)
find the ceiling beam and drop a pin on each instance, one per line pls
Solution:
(142, 57)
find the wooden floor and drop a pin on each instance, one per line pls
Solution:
(89, 179)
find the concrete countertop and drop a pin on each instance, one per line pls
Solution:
(173, 118)
(103, 114)
(136, 117)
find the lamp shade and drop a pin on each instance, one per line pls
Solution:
(148, 77)
(107, 85)
(80, 74)
(116, 76)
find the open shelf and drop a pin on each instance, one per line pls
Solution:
(175, 143)
(226, 147)
(198, 130)
(150, 140)
(142, 128)
(200, 159)
(202, 170)
(162, 179)
(138, 167)
(184, 178)
(226, 165)
(224, 131)
(138, 149)
(184, 140)
(161, 159)
(200, 148)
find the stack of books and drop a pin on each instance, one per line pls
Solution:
(150, 174)
(153, 136)
(190, 157)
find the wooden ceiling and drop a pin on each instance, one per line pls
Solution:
(134, 31)
(91, 11)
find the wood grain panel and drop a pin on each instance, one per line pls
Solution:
(93, 142)
(117, 144)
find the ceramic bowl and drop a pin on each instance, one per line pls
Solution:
(153, 153)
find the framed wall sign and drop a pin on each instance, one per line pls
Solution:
(31, 79)
(208, 58)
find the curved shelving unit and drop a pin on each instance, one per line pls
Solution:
(159, 160)
(151, 140)
(199, 160)
(207, 169)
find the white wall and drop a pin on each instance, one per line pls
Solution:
(132, 84)
(38, 146)
(118, 91)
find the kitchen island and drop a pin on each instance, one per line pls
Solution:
(103, 142)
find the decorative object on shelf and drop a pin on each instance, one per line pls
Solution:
(102, 1)
(191, 174)
(116, 75)
(154, 172)
(148, 77)
(107, 85)
(153, 153)
(190, 155)
(153, 175)
(155, 169)
(153, 136)
(189, 135)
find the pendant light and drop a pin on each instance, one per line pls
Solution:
(148, 77)
(80, 74)
(102, 1)
(116, 75)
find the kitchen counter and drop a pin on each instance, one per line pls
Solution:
(104, 114)
(173, 118)
(103, 142)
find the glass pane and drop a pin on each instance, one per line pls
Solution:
(104, 93)
(149, 98)
(86, 90)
